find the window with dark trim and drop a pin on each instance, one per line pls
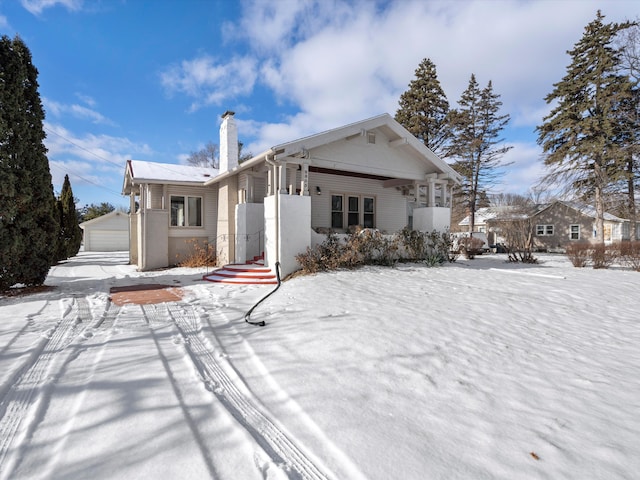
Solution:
(186, 211)
(337, 211)
(360, 210)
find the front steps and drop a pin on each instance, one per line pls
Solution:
(251, 273)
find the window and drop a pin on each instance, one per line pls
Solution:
(360, 210)
(354, 214)
(574, 232)
(544, 230)
(371, 138)
(336, 211)
(369, 213)
(186, 211)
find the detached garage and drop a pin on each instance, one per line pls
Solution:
(108, 233)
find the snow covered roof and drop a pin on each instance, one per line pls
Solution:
(590, 211)
(484, 214)
(139, 171)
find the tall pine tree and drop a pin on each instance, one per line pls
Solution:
(70, 233)
(424, 109)
(28, 228)
(580, 137)
(476, 143)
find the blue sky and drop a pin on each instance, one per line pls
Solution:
(149, 80)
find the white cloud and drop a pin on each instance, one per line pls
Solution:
(4, 23)
(335, 61)
(101, 151)
(209, 81)
(86, 99)
(36, 7)
(526, 169)
(58, 109)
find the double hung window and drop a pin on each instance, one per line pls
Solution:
(186, 211)
(356, 210)
(574, 232)
(544, 230)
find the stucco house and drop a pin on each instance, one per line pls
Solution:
(555, 224)
(372, 173)
(106, 233)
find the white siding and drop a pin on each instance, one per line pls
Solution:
(209, 210)
(106, 240)
(390, 204)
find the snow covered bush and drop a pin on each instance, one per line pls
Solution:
(366, 246)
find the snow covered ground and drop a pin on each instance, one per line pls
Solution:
(478, 369)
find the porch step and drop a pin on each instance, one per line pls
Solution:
(243, 274)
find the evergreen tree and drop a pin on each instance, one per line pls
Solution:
(628, 43)
(70, 233)
(424, 109)
(27, 203)
(475, 144)
(89, 212)
(581, 136)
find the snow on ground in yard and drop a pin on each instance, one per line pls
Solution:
(477, 369)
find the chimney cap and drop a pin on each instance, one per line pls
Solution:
(228, 113)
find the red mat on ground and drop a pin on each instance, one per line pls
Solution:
(145, 294)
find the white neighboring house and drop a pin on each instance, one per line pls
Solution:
(107, 233)
(372, 173)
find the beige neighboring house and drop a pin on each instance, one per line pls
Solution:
(371, 173)
(106, 233)
(555, 224)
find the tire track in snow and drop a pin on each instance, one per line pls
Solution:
(21, 403)
(274, 441)
(83, 341)
(151, 316)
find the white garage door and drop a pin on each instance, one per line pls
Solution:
(107, 240)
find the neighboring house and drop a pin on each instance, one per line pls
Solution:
(371, 173)
(560, 223)
(482, 221)
(106, 233)
(555, 224)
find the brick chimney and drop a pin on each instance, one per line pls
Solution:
(228, 142)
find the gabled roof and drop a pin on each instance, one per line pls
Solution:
(105, 217)
(139, 171)
(584, 209)
(485, 214)
(397, 134)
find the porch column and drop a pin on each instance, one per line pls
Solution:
(270, 179)
(445, 200)
(282, 178)
(304, 182)
(431, 192)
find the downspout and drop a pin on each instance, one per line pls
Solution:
(143, 227)
(276, 190)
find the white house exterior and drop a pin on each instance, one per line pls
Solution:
(107, 233)
(372, 173)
